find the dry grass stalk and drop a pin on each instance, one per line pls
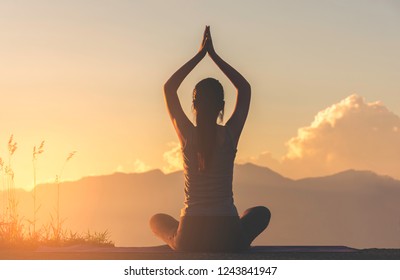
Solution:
(35, 154)
(58, 182)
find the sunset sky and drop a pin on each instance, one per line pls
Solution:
(87, 76)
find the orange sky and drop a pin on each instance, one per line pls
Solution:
(87, 77)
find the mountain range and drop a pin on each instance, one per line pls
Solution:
(353, 208)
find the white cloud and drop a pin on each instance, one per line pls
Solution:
(173, 158)
(349, 134)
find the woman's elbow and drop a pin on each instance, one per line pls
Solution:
(245, 88)
(169, 88)
(166, 87)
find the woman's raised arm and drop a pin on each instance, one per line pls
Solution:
(178, 116)
(238, 118)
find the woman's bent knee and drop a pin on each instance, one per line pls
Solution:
(155, 220)
(259, 211)
(263, 214)
(161, 223)
(258, 217)
(267, 215)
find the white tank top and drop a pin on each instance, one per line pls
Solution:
(209, 193)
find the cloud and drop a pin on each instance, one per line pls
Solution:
(351, 134)
(140, 167)
(136, 166)
(173, 158)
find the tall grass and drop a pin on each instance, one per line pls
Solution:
(35, 154)
(13, 230)
(57, 226)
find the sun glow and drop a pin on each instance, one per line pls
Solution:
(88, 77)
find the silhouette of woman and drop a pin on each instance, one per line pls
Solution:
(209, 220)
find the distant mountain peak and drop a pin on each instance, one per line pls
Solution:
(353, 173)
(253, 171)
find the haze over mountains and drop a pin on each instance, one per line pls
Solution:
(353, 208)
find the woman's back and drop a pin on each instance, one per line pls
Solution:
(209, 192)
